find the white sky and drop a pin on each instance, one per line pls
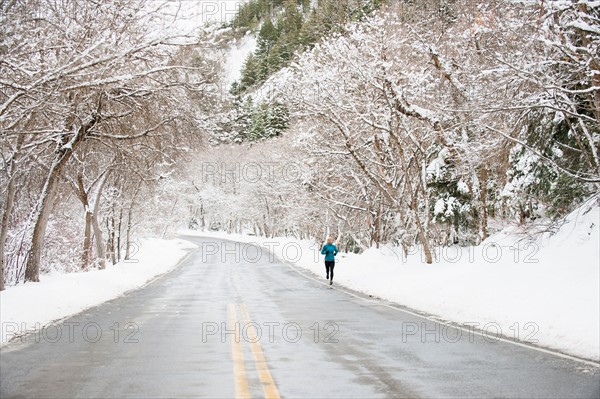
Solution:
(188, 15)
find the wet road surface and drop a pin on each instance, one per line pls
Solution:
(229, 325)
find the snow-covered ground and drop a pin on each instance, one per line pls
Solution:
(547, 293)
(33, 305)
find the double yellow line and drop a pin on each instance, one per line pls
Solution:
(242, 389)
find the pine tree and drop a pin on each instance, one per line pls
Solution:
(258, 124)
(538, 185)
(249, 72)
(291, 21)
(277, 120)
(450, 196)
(309, 33)
(267, 38)
(243, 119)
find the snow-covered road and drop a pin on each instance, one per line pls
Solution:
(297, 337)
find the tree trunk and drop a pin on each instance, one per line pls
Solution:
(9, 204)
(43, 210)
(483, 200)
(421, 232)
(521, 214)
(87, 241)
(265, 229)
(10, 200)
(423, 238)
(82, 194)
(118, 247)
(111, 225)
(108, 248)
(202, 221)
(414, 207)
(128, 234)
(100, 249)
(376, 228)
(44, 205)
(167, 224)
(130, 221)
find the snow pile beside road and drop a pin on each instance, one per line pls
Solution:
(547, 292)
(33, 305)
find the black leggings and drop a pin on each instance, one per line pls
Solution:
(329, 264)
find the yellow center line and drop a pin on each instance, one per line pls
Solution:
(237, 352)
(269, 387)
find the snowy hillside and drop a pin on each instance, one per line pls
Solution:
(236, 56)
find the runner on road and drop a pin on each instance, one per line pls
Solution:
(330, 251)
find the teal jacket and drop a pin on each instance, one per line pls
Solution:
(330, 251)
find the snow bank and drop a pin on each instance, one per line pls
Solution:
(59, 295)
(543, 290)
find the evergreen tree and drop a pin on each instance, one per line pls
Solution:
(538, 187)
(267, 38)
(250, 72)
(243, 119)
(277, 120)
(290, 22)
(258, 123)
(450, 196)
(295, 28)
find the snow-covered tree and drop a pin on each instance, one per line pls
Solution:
(79, 73)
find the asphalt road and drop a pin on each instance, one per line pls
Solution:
(296, 337)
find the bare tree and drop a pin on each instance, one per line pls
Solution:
(87, 72)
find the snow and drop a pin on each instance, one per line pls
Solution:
(543, 290)
(582, 25)
(425, 113)
(462, 187)
(435, 168)
(190, 16)
(236, 57)
(440, 207)
(32, 305)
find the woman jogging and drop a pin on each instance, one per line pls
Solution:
(330, 251)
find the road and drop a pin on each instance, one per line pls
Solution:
(296, 337)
